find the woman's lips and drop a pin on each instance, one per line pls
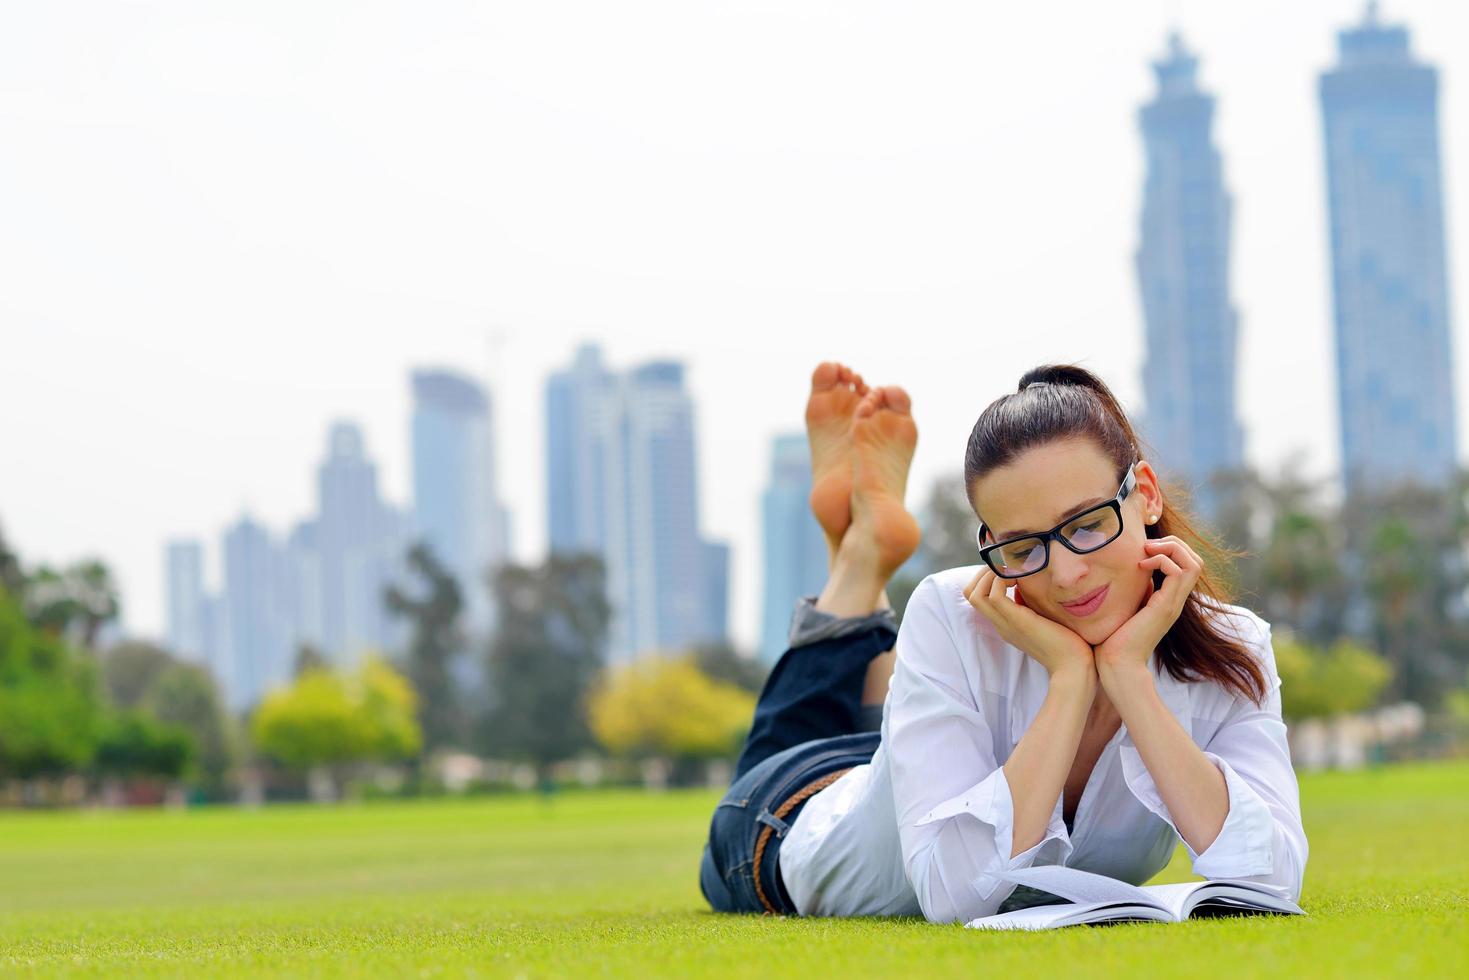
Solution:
(1089, 603)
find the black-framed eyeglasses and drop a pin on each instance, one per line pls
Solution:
(1028, 554)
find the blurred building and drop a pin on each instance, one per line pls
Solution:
(456, 503)
(580, 402)
(621, 482)
(795, 556)
(716, 590)
(1389, 289)
(322, 586)
(1191, 354)
(187, 599)
(257, 651)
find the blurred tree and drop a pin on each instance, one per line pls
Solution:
(669, 707)
(1301, 562)
(12, 579)
(543, 658)
(328, 719)
(309, 656)
(1406, 558)
(1318, 683)
(131, 744)
(437, 642)
(170, 691)
(73, 603)
(49, 704)
(130, 669)
(722, 662)
(185, 695)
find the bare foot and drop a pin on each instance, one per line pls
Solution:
(835, 392)
(883, 438)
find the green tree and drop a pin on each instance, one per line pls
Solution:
(73, 603)
(132, 745)
(669, 707)
(49, 704)
(142, 677)
(12, 579)
(1317, 683)
(130, 669)
(543, 659)
(334, 720)
(437, 642)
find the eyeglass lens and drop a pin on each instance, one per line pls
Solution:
(1087, 532)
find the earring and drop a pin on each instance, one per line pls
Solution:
(1152, 518)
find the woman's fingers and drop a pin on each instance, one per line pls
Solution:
(1176, 548)
(976, 587)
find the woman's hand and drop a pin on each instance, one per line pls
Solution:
(1052, 645)
(1131, 643)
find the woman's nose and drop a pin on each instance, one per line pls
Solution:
(1067, 568)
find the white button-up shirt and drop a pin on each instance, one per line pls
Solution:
(917, 828)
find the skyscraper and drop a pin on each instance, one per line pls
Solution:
(1183, 276)
(257, 648)
(456, 506)
(580, 408)
(360, 543)
(622, 482)
(1389, 285)
(186, 599)
(795, 556)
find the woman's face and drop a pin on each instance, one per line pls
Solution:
(1044, 486)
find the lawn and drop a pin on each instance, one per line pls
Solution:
(605, 883)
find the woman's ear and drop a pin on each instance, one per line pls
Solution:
(1149, 488)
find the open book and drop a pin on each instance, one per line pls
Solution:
(1097, 898)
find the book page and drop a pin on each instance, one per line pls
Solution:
(1176, 898)
(1073, 884)
(1059, 916)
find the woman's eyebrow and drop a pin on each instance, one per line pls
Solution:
(1091, 502)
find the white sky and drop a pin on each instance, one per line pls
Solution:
(223, 225)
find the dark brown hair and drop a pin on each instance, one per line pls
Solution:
(1073, 403)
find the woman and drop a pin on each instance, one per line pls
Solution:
(1083, 697)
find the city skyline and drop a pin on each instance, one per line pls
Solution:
(749, 285)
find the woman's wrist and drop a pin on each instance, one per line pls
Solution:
(1078, 679)
(1125, 683)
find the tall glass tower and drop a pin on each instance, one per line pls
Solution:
(456, 504)
(795, 555)
(1183, 275)
(622, 482)
(1389, 285)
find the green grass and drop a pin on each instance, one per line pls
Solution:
(606, 884)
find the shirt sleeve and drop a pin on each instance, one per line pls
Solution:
(952, 800)
(1262, 838)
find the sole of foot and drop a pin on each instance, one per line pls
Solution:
(883, 439)
(836, 391)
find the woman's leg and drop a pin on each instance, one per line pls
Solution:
(840, 657)
(811, 720)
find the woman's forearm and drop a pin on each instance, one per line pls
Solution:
(1191, 786)
(1038, 767)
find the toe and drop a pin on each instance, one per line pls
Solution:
(896, 399)
(826, 375)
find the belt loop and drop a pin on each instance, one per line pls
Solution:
(774, 823)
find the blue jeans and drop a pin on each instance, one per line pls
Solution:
(809, 722)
